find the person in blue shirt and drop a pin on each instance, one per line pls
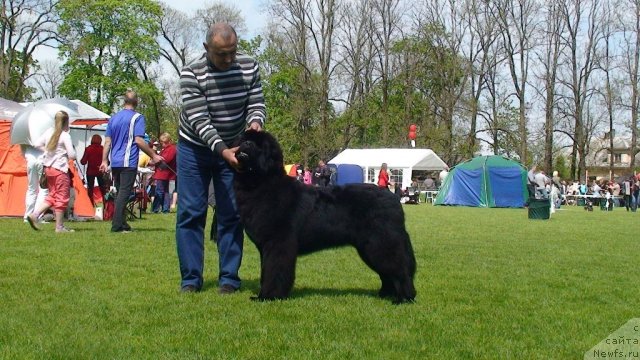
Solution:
(123, 140)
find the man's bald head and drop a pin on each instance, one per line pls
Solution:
(221, 45)
(223, 30)
(131, 98)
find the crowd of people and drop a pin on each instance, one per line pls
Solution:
(600, 192)
(117, 163)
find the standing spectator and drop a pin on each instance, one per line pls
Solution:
(165, 173)
(616, 193)
(124, 138)
(443, 175)
(322, 174)
(627, 187)
(92, 157)
(58, 149)
(299, 174)
(635, 193)
(221, 96)
(541, 182)
(429, 183)
(383, 177)
(307, 176)
(35, 194)
(531, 181)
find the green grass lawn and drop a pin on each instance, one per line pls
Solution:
(491, 284)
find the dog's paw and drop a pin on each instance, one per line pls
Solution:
(400, 301)
(265, 299)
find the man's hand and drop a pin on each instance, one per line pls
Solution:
(104, 166)
(229, 155)
(255, 126)
(157, 159)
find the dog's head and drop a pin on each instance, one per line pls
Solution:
(259, 154)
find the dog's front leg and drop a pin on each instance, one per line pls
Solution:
(277, 270)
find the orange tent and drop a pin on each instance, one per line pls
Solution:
(13, 174)
(13, 180)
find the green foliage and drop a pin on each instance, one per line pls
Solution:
(491, 284)
(561, 167)
(106, 47)
(293, 109)
(14, 88)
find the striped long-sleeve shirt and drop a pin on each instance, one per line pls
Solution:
(218, 105)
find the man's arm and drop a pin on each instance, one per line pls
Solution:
(148, 150)
(256, 110)
(105, 154)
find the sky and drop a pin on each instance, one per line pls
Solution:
(252, 10)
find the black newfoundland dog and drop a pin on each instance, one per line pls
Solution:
(285, 218)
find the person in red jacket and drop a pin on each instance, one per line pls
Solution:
(92, 158)
(165, 172)
(383, 177)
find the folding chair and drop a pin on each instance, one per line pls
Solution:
(139, 197)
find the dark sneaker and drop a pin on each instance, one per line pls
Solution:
(226, 289)
(189, 289)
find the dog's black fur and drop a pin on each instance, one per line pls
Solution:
(286, 218)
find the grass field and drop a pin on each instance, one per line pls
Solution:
(491, 284)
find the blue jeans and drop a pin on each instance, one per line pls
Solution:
(197, 165)
(162, 200)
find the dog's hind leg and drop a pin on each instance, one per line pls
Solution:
(405, 292)
(396, 274)
(278, 271)
(387, 289)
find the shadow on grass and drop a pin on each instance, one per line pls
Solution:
(252, 285)
(307, 291)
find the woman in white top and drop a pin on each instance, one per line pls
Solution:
(58, 150)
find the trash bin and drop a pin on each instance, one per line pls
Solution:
(581, 201)
(539, 209)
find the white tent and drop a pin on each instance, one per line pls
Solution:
(402, 160)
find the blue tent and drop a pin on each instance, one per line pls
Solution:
(349, 174)
(485, 181)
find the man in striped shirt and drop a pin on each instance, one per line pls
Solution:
(221, 97)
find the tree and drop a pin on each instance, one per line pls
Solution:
(48, 78)
(438, 76)
(307, 28)
(548, 58)
(605, 64)
(479, 44)
(176, 42)
(221, 11)
(441, 24)
(25, 26)
(630, 19)
(581, 62)
(106, 47)
(388, 18)
(517, 22)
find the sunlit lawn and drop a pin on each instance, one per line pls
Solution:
(491, 284)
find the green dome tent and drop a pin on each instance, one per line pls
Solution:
(485, 181)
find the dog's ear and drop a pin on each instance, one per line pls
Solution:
(274, 151)
(270, 159)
